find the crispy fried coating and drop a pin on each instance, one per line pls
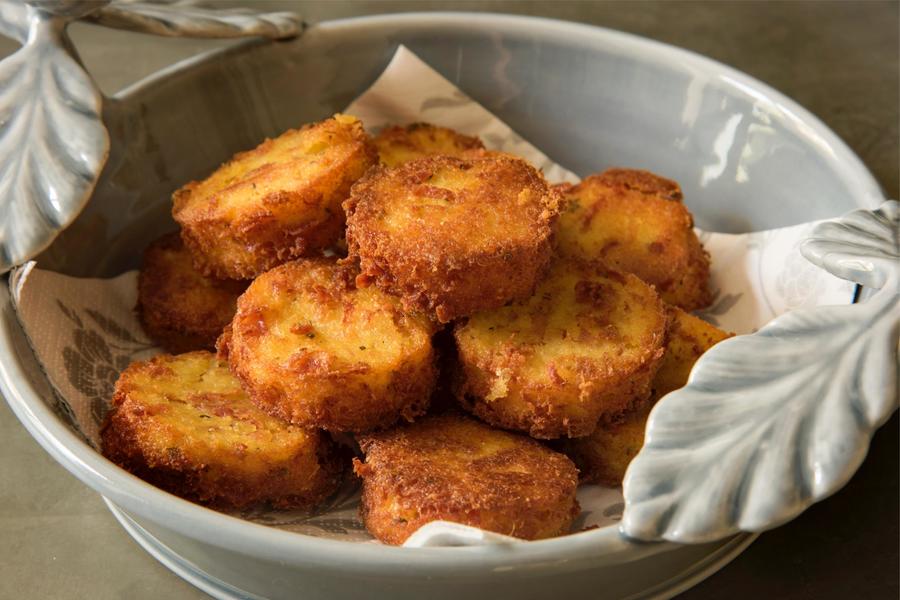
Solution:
(485, 153)
(279, 201)
(397, 145)
(180, 308)
(454, 468)
(453, 236)
(604, 455)
(584, 347)
(689, 338)
(634, 222)
(314, 350)
(183, 423)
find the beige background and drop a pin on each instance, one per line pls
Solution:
(839, 59)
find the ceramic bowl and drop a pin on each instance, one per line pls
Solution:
(747, 157)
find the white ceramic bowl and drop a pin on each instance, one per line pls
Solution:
(747, 157)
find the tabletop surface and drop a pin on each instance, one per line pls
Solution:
(838, 59)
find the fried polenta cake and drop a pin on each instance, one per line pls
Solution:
(397, 145)
(180, 308)
(583, 348)
(316, 351)
(634, 222)
(183, 423)
(689, 338)
(453, 236)
(604, 455)
(279, 201)
(454, 468)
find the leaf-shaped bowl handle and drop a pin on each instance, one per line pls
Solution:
(52, 136)
(773, 422)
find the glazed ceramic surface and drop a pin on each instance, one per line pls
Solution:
(771, 422)
(747, 159)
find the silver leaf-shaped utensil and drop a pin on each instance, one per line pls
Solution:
(13, 20)
(178, 19)
(52, 137)
(773, 422)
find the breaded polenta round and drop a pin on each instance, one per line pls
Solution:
(454, 468)
(603, 456)
(634, 222)
(279, 201)
(453, 236)
(689, 338)
(397, 145)
(314, 350)
(183, 423)
(584, 348)
(180, 308)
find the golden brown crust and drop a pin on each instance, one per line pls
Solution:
(397, 145)
(450, 467)
(603, 456)
(689, 338)
(633, 221)
(453, 236)
(183, 424)
(312, 349)
(643, 182)
(584, 348)
(277, 202)
(179, 308)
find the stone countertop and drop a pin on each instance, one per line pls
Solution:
(838, 59)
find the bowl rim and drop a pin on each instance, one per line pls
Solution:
(848, 163)
(598, 547)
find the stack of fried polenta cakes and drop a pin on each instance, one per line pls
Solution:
(477, 331)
